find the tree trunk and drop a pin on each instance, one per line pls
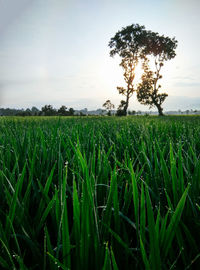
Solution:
(126, 105)
(160, 110)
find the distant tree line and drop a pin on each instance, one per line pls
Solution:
(46, 110)
(49, 110)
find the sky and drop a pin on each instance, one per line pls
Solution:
(56, 51)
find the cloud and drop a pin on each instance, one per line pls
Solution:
(186, 84)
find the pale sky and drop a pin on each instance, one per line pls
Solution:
(56, 51)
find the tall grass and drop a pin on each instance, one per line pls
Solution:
(100, 193)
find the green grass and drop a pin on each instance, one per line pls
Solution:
(100, 193)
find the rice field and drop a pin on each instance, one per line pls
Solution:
(100, 193)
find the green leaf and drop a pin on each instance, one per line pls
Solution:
(175, 219)
(107, 262)
(155, 260)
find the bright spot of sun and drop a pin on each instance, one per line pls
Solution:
(42, 71)
(138, 74)
(139, 71)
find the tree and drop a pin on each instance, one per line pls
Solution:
(48, 110)
(132, 112)
(120, 109)
(71, 111)
(130, 44)
(109, 106)
(161, 49)
(62, 111)
(35, 111)
(147, 90)
(135, 44)
(28, 112)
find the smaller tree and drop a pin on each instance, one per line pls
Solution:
(71, 111)
(108, 106)
(28, 112)
(35, 111)
(147, 90)
(161, 49)
(48, 110)
(62, 111)
(120, 110)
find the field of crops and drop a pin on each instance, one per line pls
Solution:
(100, 193)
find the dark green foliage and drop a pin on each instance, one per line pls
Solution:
(48, 110)
(100, 193)
(108, 106)
(121, 110)
(62, 111)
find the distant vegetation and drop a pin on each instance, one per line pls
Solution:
(47, 110)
